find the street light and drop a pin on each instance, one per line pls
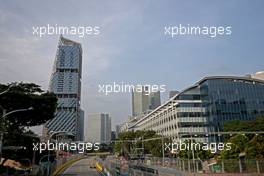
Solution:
(163, 152)
(191, 133)
(9, 87)
(2, 118)
(18, 110)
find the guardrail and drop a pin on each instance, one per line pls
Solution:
(57, 166)
(62, 166)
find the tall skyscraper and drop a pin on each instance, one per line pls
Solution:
(140, 102)
(154, 100)
(98, 128)
(118, 130)
(144, 101)
(65, 82)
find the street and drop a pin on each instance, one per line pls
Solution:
(82, 167)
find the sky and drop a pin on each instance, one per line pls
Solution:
(131, 47)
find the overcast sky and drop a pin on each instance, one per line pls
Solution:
(131, 47)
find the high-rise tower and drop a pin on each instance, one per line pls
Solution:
(98, 128)
(140, 102)
(144, 101)
(65, 82)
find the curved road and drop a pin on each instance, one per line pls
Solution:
(81, 168)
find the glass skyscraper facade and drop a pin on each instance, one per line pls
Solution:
(65, 82)
(201, 110)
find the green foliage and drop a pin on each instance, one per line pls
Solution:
(198, 153)
(255, 148)
(18, 138)
(250, 144)
(130, 143)
(23, 96)
(239, 144)
(249, 125)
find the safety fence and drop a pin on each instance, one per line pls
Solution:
(172, 166)
(211, 166)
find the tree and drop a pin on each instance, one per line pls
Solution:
(250, 144)
(255, 149)
(23, 96)
(239, 144)
(129, 143)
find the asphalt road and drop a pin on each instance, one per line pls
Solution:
(81, 168)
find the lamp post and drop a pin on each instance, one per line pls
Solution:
(192, 151)
(8, 88)
(163, 153)
(2, 127)
(142, 149)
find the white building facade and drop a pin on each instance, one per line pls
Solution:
(200, 111)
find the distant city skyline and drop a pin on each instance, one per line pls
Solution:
(131, 46)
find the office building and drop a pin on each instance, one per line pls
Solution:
(65, 82)
(200, 110)
(118, 130)
(98, 128)
(113, 135)
(140, 102)
(144, 101)
(154, 100)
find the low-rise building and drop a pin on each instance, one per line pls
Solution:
(200, 111)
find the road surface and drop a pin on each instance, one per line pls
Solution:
(83, 167)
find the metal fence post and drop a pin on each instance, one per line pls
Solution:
(258, 166)
(180, 164)
(240, 166)
(197, 165)
(183, 165)
(189, 166)
(223, 166)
